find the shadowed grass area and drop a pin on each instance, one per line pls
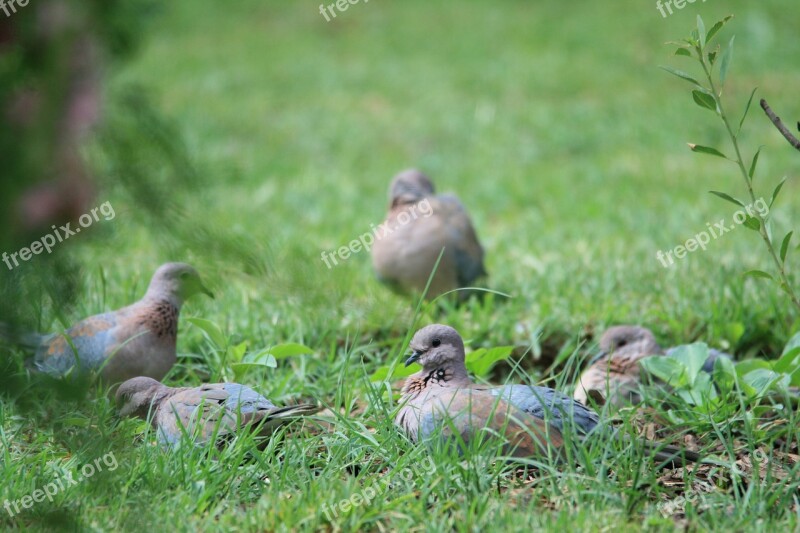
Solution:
(259, 135)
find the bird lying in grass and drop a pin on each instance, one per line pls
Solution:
(215, 410)
(137, 340)
(418, 227)
(533, 421)
(614, 375)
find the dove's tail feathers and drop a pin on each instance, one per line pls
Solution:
(671, 456)
(268, 421)
(294, 411)
(30, 341)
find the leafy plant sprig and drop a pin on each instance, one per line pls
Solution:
(710, 97)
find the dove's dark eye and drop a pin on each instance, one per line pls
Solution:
(436, 342)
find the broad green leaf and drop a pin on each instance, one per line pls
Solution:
(789, 362)
(236, 353)
(701, 31)
(706, 150)
(679, 73)
(481, 361)
(793, 344)
(752, 223)
(754, 163)
(724, 374)
(727, 197)
(745, 367)
(757, 274)
(683, 52)
(240, 370)
(692, 357)
(704, 100)
(290, 349)
(746, 109)
(716, 27)
(785, 246)
(212, 331)
(725, 61)
(666, 369)
(262, 357)
(776, 192)
(399, 372)
(762, 380)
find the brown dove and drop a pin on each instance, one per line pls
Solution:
(614, 375)
(418, 227)
(442, 397)
(137, 340)
(211, 410)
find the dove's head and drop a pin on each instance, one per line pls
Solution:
(633, 339)
(135, 396)
(408, 187)
(437, 346)
(178, 282)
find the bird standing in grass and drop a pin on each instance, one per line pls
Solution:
(532, 420)
(614, 375)
(215, 410)
(418, 227)
(138, 340)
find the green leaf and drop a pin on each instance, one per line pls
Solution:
(752, 223)
(679, 73)
(724, 374)
(776, 192)
(262, 357)
(666, 369)
(212, 331)
(792, 345)
(236, 353)
(762, 380)
(399, 372)
(785, 246)
(691, 357)
(746, 109)
(757, 274)
(789, 362)
(725, 61)
(706, 150)
(683, 52)
(749, 365)
(754, 163)
(481, 361)
(704, 100)
(701, 31)
(716, 27)
(291, 349)
(727, 197)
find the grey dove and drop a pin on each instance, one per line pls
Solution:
(533, 420)
(418, 227)
(137, 340)
(614, 375)
(212, 410)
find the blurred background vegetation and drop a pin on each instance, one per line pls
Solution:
(249, 138)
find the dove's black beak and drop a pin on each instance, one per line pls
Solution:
(414, 358)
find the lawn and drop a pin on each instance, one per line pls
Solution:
(247, 138)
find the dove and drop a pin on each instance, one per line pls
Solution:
(614, 375)
(212, 410)
(418, 227)
(533, 420)
(138, 340)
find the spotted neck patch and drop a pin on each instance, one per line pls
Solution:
(162, 319)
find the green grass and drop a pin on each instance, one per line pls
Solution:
(280, 133)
